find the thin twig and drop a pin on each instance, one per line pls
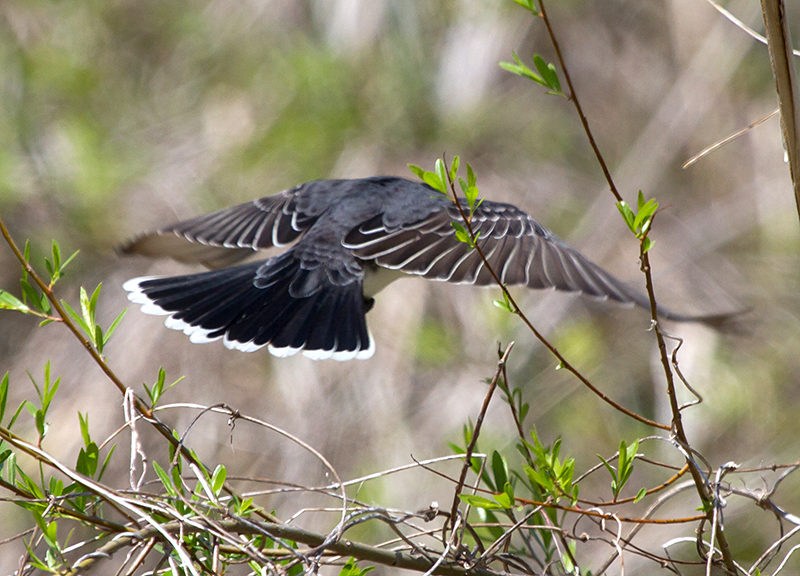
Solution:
(475, 433)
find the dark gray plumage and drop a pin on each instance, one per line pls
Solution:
(355, 236)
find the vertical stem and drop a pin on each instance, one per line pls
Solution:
(677, 422)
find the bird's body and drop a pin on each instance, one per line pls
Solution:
(351, 238)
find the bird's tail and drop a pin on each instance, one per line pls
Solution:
(252, 306)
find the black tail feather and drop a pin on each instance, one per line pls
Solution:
(251, 306)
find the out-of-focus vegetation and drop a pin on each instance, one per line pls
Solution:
(121, 116)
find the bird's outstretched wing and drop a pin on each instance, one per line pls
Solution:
(228, 236)
(518, 249)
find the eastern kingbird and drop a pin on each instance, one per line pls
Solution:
(353, 237)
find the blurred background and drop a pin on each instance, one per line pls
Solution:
(122, 116)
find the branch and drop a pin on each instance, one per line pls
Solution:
(343, 547)
(779, 42)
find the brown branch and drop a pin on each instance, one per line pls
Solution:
(706, 497)
(779, 42)
(342, 547)
(475, 433)
(573, 96)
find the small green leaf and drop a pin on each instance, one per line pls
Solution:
(76, 317)
(647, 244)
(539, 478)
(499, 469)
(88, 315)
(113, 326)
(472, 196)
(56, 256)
(434, 182)
(50, 270)
(547, 72)
(218, 479)
(481, 502)
(99, 341)
(627, 215)
(528, 4)
(48, 529)
(28, 293)
(504, 501)
(3, 396)
(10, 302)
(165, 480)
(461, 233)
(454, 168)
(608, 467)
(441, 172)
(417, 170)
(68, 260)
(351, 568)
(504, 304)
(639, 495)
(84, 425)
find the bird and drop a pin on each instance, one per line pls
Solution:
(349, 239)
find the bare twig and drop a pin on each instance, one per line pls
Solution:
(475, 433)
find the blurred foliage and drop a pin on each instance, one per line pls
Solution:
(117, 116)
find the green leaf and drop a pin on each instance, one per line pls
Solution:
(48, 529)
(68, 260)
(87, 460)
(461, 233)
(417, 170)
(88, 314)
(441, 172)
(499, 469)
(165, 480)
(114, 325)
(521, 69)
(50, 270)
(218, 479)
(548, 73)
(76, 317)
(3, 396)
(481, 502)
(38, 300)
(647, 244)
(639, 495)
(99, 341)
(84, 425)
(504, 304)
(26, 253)
(56, 256)
(434, 182)
(539, 478)
(454, 168)
(529, 4)
(351, 568)
(10, 302)
(106, 462)
(504, 501)
(471, 178)
(472, 195)
(608, 467)
(627, 215)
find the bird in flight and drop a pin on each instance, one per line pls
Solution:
(350, 239)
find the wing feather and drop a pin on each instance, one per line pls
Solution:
(517, 248)
(228, 236)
